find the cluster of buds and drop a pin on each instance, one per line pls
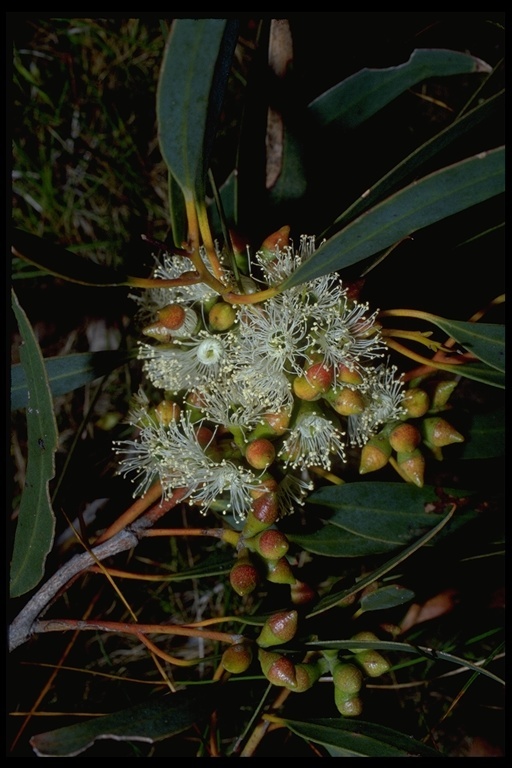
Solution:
(257, 395)
(420, 427)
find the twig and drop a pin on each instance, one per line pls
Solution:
(21, 628)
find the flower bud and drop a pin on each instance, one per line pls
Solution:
(260, 453)
(374, 454)
(347, 677)
(416, 403)
(278, 669)
(306, 675)
(412, 464)
(276, 239)
(244, 577)
(438, 432)
(271, 425)
(373, 663)
(279, 572)
(270, 544)
(172, 316)
(237, 658)
(222, 316)
(440, 394)
(347, 402)
(278, 629)
(404, 437)
(301, 593)
(348, 706)
(304, 390)
(320, 376)
(347, 375)
(263, 513)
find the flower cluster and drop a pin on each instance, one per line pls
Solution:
(257, 396)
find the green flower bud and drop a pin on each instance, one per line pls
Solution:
(441, 393)
(416, 403)
(347, 375)
(222, 316)
(237, 658)
(373, 663)
(374, 454)
(347, 677)
(306, 675)
(348, 706)
(278, 629)
(279, 571)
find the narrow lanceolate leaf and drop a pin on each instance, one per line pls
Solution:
(151, 721)
(36, 521)
(351, 738)
(487, 110)
(192, 80)
(420, 204)
(373, 518)
(63, 263)
(66, 373)
(486, 341)
(338, 595)
(354, 100)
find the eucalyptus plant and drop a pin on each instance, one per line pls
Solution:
(281, 413)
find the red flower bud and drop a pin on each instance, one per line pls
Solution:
(438, 432)
(271, 544)
(244, 577)
(260, 453)
(412, 465)
(263, 513)
(278, 629)
(278, 669)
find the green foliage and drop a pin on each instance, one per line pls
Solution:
(125, 127)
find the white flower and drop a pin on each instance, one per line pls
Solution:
(187, 363)
(312, 441)
(384, 393)
(173, 454)
(272, 337)
(347, 336)
(233, 405)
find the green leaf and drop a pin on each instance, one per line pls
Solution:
(354, 100)
(149, 721)
(373, 518)
(386, 597)
(424, 202)
(63, 263)
(36, 521)
(486, 438)
(352, 738)
(338, 595)
(66, 373)
(413, 162)
(478, 372)
(191, 85)
(483, 340)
